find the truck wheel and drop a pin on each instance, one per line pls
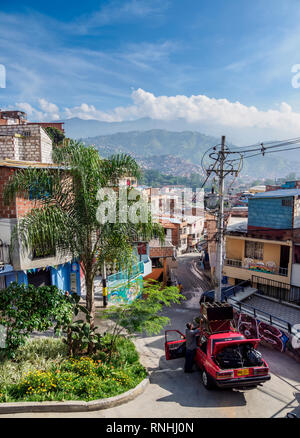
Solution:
(206, 380)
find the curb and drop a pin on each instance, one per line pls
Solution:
(74, 406)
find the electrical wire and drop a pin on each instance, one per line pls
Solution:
(266, 150)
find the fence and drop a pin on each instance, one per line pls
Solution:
(275, 289)
(257, 267)
(260, 314)
(126, 275)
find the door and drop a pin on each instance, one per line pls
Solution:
(174, 344)
(201, 353)
(284, 256)
(42, 278)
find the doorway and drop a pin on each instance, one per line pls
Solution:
(42, 278)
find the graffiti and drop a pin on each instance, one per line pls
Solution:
(272, 335)
(126, 293)
(253, 328)
(247, 325)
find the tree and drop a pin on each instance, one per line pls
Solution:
(24, 309)
(142, 315)
(66, 215)
(56, 135)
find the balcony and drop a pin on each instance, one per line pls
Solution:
(4, 254)
(251, 265)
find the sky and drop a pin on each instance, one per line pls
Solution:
(229, 64)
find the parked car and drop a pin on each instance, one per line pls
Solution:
(225, 357)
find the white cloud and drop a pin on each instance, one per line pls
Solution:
(46, 111)
(200, 108)
(243, 123)
(118, 11)
(88, 112)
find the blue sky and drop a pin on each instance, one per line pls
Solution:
(117, 60)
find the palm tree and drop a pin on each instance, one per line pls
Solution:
(65, 215)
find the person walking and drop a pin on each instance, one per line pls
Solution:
(191, 334)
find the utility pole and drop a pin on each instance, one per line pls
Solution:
(104, 285)
(220, 224)
(221, 167)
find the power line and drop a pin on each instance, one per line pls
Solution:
(225, 167)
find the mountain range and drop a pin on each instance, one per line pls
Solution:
(178, 152)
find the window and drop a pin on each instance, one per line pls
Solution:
(254, 250)
(42, 252)
(287, 203)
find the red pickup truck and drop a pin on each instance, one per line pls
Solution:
(225, 357)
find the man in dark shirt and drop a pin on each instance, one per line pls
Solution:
(191, 334)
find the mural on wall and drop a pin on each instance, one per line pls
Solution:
(126, 293)
(253, 328)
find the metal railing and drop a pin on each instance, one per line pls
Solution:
(4, 253)
(261, 315)
(275, 289)
(239, 264)
(234, 263)
(126, 275)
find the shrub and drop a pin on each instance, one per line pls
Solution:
(24, 309)
(42, 371)
(42, 347)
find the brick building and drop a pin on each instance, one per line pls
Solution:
(12, 118)
(25, 142)
(27, 145)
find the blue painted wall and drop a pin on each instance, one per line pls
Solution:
(60, 276)
(270, 213)
(289, 185)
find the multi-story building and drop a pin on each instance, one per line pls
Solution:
(25, 145)
(265, 248)
(195, 226)
(12, 118)
(37, 267)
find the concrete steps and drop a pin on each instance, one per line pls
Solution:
(242, 295)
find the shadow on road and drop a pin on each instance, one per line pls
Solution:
(187, 389)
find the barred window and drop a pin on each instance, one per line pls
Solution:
(254, 250)
(287, 203)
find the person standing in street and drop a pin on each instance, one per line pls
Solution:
(191, 334)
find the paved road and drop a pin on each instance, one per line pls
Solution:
(193, 279)
(175, 394)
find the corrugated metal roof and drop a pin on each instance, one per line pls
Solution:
(24, 164)
(240, 226)
(278, 193)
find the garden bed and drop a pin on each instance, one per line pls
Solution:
(42, 371)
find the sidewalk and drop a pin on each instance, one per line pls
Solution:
(282, 311)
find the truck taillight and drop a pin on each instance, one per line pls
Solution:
(262, 371)
(224, 375)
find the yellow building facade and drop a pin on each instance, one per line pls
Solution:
(254, 259)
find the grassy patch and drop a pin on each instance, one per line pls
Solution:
(42, 371)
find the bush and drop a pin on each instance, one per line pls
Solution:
(24, 309)
(41, 371)
(37, 348)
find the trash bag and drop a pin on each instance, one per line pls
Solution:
(230, 357)
(254, 357)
